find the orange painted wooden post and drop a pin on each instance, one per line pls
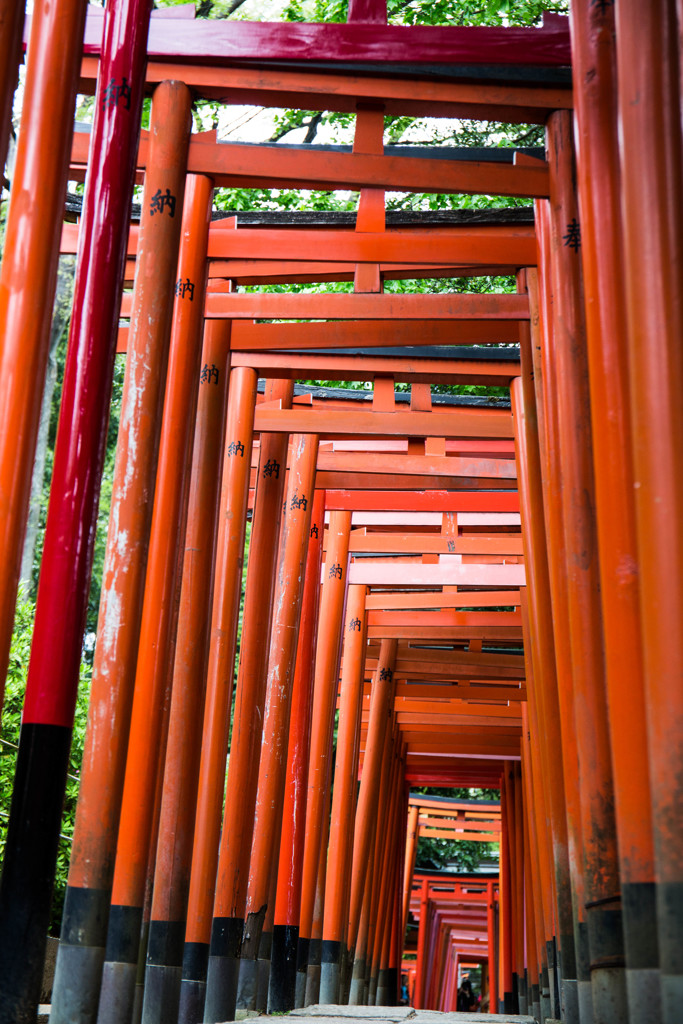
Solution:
(312, 992)
(335, 575)
(608, 982)
(29, 261)
(238, 819)
(220, 671)
(648, 102)
(158, 623)
(544, 695)
(179, 792)
(418, 998)
(380, 711)
(11, 25)
(360, 952)
(86, 909)
(409, 867)
(602, 251)
(283, 974)
(335, 921)
(281, 664)
(545, 385)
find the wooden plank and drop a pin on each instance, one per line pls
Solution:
(438, 599)
(388, 574)
(371, 333)
(367, 306)
(340, 366)
(261, 166)
(453, 422)
(426, 501)
(514, 245)
(309, 88)
(217, 42)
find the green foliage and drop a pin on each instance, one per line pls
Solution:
(463, 854)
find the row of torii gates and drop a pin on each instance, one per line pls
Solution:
(385, 575)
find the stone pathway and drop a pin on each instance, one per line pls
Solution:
(375, 1015)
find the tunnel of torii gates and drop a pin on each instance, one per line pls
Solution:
(487, 594)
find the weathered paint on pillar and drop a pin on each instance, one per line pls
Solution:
(86, 910)
(33, 832)
(149, 716)
(239, 433)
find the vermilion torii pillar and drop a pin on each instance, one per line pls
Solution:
(602, 250)
(335, 920)
(47, 719)
(238, 820)
(81, 951)
(282, 984)
(649, 119)
(568, 341)
(239, 435)
(30, 256)
(179, 785)
(149, 723)
(324, 702)
(287, 601)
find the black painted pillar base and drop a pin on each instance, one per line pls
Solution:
(608, 968)
(522, 994)
(223, 969)
(330, 971)
(357, 987)
(119, 973)
(78, 971)
(583, 980)
(193, 983)
(29, 867)
(282, 982)
(313, 972)
(303, 947)
(163, 971)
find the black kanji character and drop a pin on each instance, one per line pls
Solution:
(236, 448)
(451, 545)
(208, 373)
(183, 288)
(298, 502)
(115, 92)
(160, 201)
(354, 626)
(335, 572)
(314, 531)
(573, 236)
(272, 468)
(386, 674)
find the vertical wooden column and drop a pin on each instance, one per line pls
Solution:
(11, 25)
(491, 941)
(33, 831)
(239, 433)
(603, 904)
(238, 819)
(545, 386)
(282, 986)
(409, 868)
(324, 702)
(381, 708)
(28, 274)
(283, 645)
(335, 921)
(543, 693)
(158, 625)
(421, 943)
(602, 252)
(648, 59)
(179, 787)
(86, 910)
